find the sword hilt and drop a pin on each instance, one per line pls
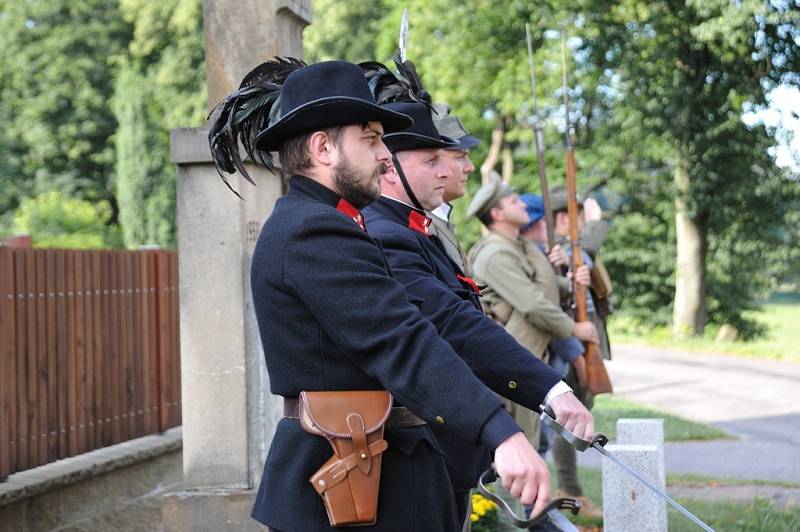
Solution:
(564, 503)
(548, 417)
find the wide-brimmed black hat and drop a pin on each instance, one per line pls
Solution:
(422, 134)
(324, 95)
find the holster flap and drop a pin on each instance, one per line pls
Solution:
(326, 413)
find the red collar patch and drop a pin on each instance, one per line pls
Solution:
(470, 282)
(351, 212)
(418, 222)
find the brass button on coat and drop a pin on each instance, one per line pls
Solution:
(512, 385)
(440, 420)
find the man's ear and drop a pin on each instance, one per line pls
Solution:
(322, 149)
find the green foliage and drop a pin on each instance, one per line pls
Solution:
(777, 318)
(655, 87)
(56, 73)
(343, 30)
(145, 180)
(160, 85)
(56, 221)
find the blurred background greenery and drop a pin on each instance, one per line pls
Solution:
(666, 100)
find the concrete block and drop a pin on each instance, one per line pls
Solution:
(644, 432)
(627, 504)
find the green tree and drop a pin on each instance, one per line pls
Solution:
(55, 82)
(657, 92)
(688, 69)
(161, 85)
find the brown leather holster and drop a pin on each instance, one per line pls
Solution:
(352, 422)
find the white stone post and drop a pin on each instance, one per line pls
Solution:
(628, 505)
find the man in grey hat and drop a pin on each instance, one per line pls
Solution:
(522, 291)
(458, 161)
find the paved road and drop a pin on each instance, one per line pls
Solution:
(756, 400)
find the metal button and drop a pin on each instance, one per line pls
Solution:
(439, 420)
(321, 483)
(363, 456)
(512, 385)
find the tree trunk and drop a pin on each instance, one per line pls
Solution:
(492, 158)
(508, 164)
(689, 311)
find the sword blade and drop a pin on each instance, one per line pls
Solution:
(654, 489)
(403, 41)
(561, 521)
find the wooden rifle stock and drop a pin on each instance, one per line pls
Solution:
(596, 375)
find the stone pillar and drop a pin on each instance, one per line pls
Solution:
(627, 503)
(229, 416)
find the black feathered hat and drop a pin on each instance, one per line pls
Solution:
(284, 98)
(421, 134)
(325, 95)
(403, 92)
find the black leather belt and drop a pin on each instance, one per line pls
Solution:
(399, 417)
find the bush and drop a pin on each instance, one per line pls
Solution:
(57, 221)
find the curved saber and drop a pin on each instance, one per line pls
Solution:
(597, 443)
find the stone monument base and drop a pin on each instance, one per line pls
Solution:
(210, 510)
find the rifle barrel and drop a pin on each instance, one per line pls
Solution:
(596, 374)
(539, 138)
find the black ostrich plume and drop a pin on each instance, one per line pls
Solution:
(245, 113)
(388, 87)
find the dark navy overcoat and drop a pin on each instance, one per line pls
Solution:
(331, 317)
(450, 301)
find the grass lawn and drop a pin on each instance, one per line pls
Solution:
(608, 408)
(758, 515)
(782, 342)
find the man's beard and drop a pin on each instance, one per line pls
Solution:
(357, 187)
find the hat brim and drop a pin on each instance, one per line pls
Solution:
(325, 113)
(404, 140)
(467, 142)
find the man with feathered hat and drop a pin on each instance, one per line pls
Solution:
(332, 318)
(415, 185)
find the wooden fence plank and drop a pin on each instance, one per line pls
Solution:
(22, 302)
(176, 340)
(163, 339)
(31, 354)
(19, 418)
(138, 337)
(87, 290)
(8, 352)
(144, 283)
(99, 320)
(42, 298)
(75, 351)
(52, 355)
(62, 341)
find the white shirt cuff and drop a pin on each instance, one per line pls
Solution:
(559, 388)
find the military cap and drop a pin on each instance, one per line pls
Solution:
(558, 199)
(488, 195)
(450, 126)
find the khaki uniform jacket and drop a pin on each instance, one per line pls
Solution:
(522, 291)
(445, 232)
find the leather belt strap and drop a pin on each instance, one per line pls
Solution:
(400, 416)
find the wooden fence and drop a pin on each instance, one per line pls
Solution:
(89, 351)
